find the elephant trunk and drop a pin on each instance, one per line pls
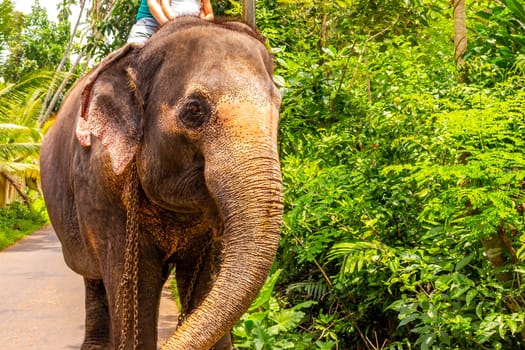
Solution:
(248, 191)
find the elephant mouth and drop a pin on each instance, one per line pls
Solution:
(182, 192)
(187, 206)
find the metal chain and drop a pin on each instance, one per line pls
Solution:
(127, 305)
(187, 297)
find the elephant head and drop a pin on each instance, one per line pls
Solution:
(197, 110)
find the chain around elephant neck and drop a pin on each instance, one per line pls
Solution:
(127, 294)
(185, 302)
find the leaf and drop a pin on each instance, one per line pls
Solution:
(464, 262)
(427, 340)
(266, 292)
(353, 247)
(408, 319)
(343, 3)
(279, 81)
(328, 345)
(248, 326)
(519, 38)
(513, 326)
(262, 339)
(516, 7)
(314, 289)
(286, 320)
(329, 52)
(304, 305)
(479, 311)
(458, 291)
(471, 294)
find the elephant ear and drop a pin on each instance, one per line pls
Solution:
(111, 108)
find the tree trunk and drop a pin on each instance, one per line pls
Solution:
(48, 105)
(323, 31)
(248, 12)
(17, 188)
(99, 16)
(460, 37)
(61, 88)
(497, 251)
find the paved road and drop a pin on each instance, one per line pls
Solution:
(42, 301)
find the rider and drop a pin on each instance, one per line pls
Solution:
(179, 8)
(154, 13)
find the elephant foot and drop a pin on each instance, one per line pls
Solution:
(92, 346)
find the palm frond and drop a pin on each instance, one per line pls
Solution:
(25, 170)
(315, 290)
(357, 255)
(12, 127)
(18, 151)
(21, 103)
(18, 133)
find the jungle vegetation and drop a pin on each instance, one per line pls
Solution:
(402, 142)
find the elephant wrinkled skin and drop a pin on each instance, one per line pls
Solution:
(193, 116)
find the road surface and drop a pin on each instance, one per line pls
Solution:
(42, 300)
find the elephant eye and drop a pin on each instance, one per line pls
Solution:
(195, 113)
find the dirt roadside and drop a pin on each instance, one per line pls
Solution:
(42, 300)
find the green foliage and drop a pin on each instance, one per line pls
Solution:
(18, 220)
(20, 102)
(10, 22)
(404, 204)
(12, 133)
(396, 179)
(108, 33)
(35, 44)
(19, 145)
(20, 137)
(472, 181)
(499, 41)
(271, 325)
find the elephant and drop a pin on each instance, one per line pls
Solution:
(164, 158)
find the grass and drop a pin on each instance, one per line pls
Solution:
(17, 221)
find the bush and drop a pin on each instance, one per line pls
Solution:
(17, 220)
(404, 195)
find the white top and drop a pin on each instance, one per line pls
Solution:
(185, 7)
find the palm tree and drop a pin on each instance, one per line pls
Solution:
(20, 137)
(19, 146)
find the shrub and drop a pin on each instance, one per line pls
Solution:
(17, 220)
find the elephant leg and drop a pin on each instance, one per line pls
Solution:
(97, 334)
(225, 343)
(150, 291)
(151, 281)
(203, 259)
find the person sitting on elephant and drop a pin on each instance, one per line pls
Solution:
(154, 13)
(178, 8)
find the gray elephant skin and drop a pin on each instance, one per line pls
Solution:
(165, 157)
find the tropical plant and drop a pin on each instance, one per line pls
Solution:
(20, 136)
(270, 324)
(403, 189)
(498, 47)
